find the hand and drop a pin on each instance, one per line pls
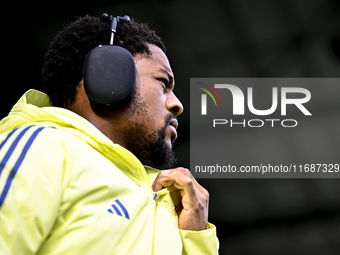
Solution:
(192, 207)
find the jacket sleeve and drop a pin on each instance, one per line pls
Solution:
(31, 172)
(200, 242)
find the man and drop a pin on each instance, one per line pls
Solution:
(71, 180)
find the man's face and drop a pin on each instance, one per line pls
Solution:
(151, 123)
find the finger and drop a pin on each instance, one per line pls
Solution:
(176, 197)
(201, 193)
(162, 182)
(200, 188)
(192, 208)
(179, 178)
(182, 179)
(186, 172)
(162, 179)
(197, 186)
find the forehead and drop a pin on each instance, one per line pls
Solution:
(156, 62)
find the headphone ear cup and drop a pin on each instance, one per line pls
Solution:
(109, 76)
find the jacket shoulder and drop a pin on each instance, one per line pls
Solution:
(37, 142)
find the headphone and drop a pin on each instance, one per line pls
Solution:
(110, 71)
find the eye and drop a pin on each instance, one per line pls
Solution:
(164, 81)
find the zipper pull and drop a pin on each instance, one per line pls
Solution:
(155, 195)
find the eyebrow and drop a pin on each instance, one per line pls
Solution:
(171, 78)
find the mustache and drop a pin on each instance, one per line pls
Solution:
(169, 117)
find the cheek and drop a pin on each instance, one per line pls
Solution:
(154, 103)
(156, 114)
(154, 98)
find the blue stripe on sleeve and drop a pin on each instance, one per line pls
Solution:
(12, 148)
(8, 136)
(19, 161)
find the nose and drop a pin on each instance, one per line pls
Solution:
(174, 105)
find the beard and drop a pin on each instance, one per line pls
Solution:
(161, 155)
(146, 145)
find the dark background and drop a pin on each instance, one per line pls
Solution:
(230, 38)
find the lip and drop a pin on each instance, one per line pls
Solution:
(173, 125)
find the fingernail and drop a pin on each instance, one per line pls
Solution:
(165, 171)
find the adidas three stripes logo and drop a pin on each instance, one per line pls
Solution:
(116, 209)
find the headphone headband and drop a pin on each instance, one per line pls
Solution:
(114, 21)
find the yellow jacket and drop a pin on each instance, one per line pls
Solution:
(65, 188)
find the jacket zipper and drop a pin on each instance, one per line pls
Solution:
(155, 195)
